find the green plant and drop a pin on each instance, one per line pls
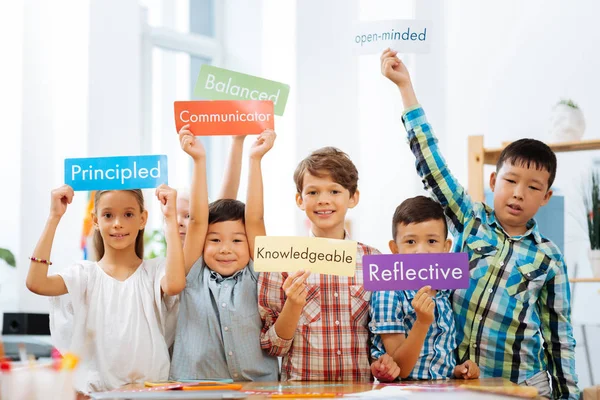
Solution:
(592, 206)
(569, 103)
(8, 256)
(155, 244)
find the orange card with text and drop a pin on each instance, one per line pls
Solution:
(225, 117)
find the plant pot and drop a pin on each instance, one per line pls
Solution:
(595, 262)
(567, 124)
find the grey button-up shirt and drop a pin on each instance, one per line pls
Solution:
(218, 329)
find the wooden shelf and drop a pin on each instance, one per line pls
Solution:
(576, 280)
(490, 156)
(480, 156)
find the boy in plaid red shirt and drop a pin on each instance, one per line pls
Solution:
(318, 323)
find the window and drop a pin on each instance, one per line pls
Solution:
(179, 37)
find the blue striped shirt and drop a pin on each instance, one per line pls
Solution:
(392, 312)
(515, 318)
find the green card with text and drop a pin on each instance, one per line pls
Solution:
(221, 84)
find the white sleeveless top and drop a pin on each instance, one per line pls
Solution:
(121, 331)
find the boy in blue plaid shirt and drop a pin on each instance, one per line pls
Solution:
(515, 318)
(417, 327)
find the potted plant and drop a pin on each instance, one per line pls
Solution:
(7, 297)
(567, 122)
(592, 206)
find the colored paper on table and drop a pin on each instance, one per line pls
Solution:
(169, 395)
(225, 117)
(116, 173)
(222, 84)
(413, 271)
(293, 253)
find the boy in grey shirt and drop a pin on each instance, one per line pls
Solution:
(218, 329)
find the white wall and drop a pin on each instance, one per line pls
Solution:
(279, 63)
(54, 126)
(11, 22)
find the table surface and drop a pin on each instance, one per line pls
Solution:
(262, 390)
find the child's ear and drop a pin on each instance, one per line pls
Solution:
(393, 247)
(94, 220)
(493, 177)
(546, 198)
(144, 218)
(447, 245)
(300, 202)
(354, 199)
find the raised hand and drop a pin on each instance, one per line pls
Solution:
(190, 144)
(394, 69)
(59, 199)
(263, 144)
(168, 200)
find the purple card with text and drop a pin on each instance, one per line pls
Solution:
(413, 271)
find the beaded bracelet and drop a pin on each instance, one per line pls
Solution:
(40, 260)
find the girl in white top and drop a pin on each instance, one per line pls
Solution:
(116, 313)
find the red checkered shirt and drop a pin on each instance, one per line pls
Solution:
(331, 342)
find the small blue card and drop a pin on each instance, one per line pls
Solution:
(116, 173)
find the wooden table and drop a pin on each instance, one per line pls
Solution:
(351, 387)
(262, 390)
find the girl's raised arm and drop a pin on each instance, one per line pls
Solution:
(38, 280)
(174, 280)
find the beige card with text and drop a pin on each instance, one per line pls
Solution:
(293, 253)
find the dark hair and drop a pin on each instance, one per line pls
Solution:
(332, 161)
(527, 153)
(226, 210)
(139, 240)
(416, 210)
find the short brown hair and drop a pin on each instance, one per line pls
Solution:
(334, 162)
(416, 210)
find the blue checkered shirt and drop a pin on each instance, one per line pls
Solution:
(392, 312)
(515, 318)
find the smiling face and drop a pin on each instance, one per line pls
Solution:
(226, 247)
(119, 218)
(519, 191)
(325, 203)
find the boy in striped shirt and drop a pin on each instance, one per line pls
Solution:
(417, 327)
(515, 318)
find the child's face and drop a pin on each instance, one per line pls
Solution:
(518, 194)
(119, 218)
(183, 216)
(325, 203)
(421, 237)
(226, 247)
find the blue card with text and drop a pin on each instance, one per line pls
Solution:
(116, 173)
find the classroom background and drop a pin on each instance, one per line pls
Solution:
(86, 78)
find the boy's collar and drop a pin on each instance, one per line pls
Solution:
(219, 278)
(532, 228)
(346, 234)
